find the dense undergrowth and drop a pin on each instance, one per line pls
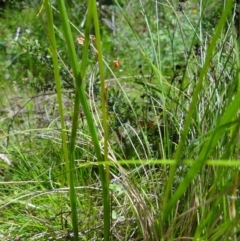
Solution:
(170, 138)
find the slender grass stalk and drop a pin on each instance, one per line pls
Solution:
(103, 88)
(170, 162)
(53, 49)
(78, 79)
(80, 96)
(168, 205)
(104, 122)
(88, 23)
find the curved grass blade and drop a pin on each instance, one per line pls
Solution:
(229, 114)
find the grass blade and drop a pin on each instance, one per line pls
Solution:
(167, 206)
(80, 96)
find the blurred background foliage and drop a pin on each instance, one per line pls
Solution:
(164, 35)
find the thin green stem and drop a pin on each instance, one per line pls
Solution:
(80, 96)
(53, 50)
(105, 124)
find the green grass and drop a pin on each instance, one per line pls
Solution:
(148, 150)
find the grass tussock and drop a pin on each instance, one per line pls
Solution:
(120, 121)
